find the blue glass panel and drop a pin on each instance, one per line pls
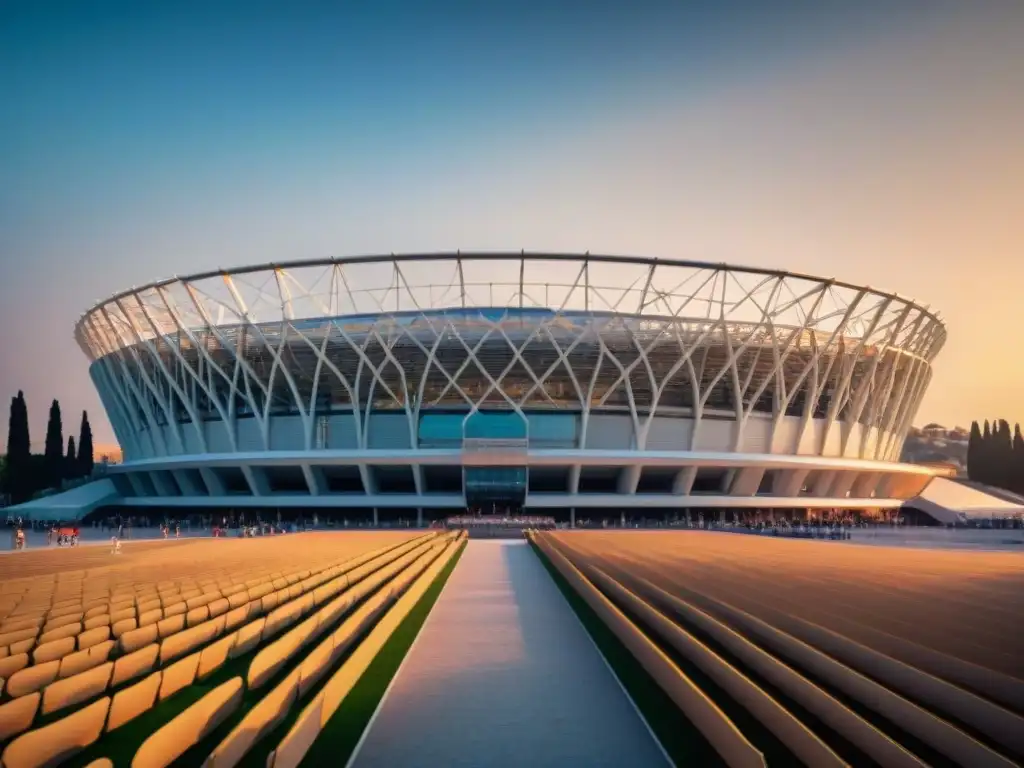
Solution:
(501, 485)
(441, 428)
(553, 428)
(506, 426)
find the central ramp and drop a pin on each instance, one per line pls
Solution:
(503, 674)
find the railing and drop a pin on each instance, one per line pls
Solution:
(495, 444)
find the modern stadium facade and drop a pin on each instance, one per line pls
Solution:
(553, 383)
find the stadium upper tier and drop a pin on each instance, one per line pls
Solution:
(668, 355)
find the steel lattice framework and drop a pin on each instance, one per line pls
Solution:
(519, 332)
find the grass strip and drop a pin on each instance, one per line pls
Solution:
(342, 732)
(681, 740)
(774, 751)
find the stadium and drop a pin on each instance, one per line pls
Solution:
(558, 384)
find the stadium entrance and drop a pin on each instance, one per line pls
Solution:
(495, 490)
(495, 497)
(494, 451)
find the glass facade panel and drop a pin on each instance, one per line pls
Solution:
(441, 430)
(553, 430)
(501, 486)
(504, 426)
(444, 430)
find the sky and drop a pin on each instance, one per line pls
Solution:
(874, 142)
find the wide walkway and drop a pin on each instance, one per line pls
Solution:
(503, 674)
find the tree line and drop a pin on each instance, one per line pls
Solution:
(995, 455)
(24, 473)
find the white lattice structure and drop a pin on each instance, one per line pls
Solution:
(614, 382)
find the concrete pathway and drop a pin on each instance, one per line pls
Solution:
(503, 674)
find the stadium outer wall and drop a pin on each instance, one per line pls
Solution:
(591, 382)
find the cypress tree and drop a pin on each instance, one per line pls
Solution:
(70, 461)
(54, 433)
(12, 425)
(1000, 443)
(1007, 479)
(16, 465)
(54, 446)
(23, 444)
(974, 449)
(5, 476)
(985, 463)
(85, 460)
(54, 451)
(1017, 463)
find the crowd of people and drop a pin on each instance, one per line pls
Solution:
(59, 533)
(504, 520)
(493, 521)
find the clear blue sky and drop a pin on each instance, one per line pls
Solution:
(874, 141)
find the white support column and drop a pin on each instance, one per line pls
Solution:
(790, 481)
(369, 485)
(842, 484)
(162, 484)
(683, 482)
(628, 479)
(315, 480)
(865, 484)
(727, 481)
(888, 486)
(257, 480)
(747, 481)
(375, 519)
(188, 486)
(823, 483)
(574, 479)
(419, 517)
(572, 517)
(138, 487)
(369, 481)
(214, 485)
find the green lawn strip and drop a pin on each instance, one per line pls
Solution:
(683, 742)
(761, 737)
(339, 737)
(121, 744)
